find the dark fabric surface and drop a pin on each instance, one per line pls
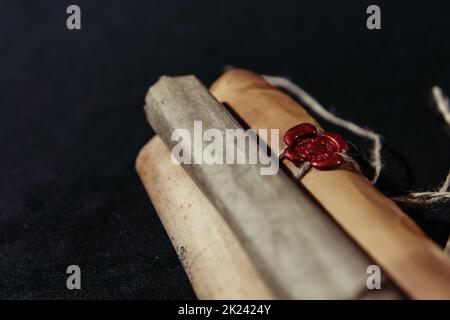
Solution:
(71, 119)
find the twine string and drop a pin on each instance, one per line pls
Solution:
(414, 198)
(442, 193)
(302, 170)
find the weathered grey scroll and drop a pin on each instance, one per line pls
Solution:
(297, 247)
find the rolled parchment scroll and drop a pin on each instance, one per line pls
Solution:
(214, 260)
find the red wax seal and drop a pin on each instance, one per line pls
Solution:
(322, 150)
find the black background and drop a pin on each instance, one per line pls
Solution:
(72, 123)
